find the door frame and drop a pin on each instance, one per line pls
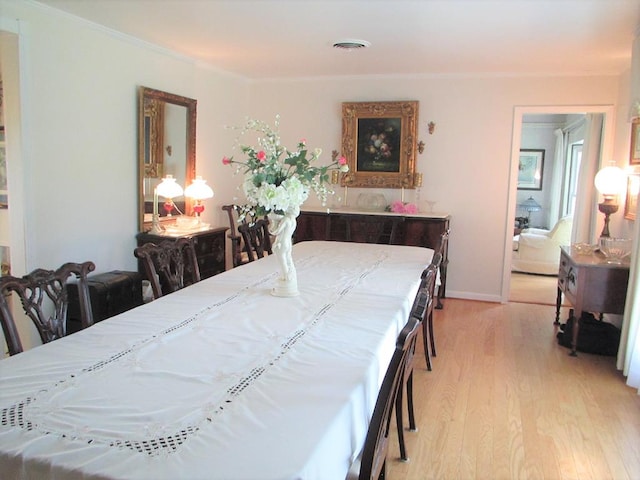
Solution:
(516, 138)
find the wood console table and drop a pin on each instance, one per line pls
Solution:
(591, 285)
(418, 230)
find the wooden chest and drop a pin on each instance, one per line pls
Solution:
(111, 293)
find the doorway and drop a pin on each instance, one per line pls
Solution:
(544, 218)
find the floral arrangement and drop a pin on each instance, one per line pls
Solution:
(403, 207)
(278, 180)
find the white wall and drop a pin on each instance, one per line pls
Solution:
(540, 137)
(79, 108)
(466, 163)
(79, 103)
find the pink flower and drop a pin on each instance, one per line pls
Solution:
(397, 207)
(303, 141)
(411, 208)
(261, 156)
(342, 160)
(226, 161)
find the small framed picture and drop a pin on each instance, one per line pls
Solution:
(634, 155)
(3, 172)
(530, 169)
(631, 202)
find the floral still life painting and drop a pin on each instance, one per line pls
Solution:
(379, 144)
(276, 179)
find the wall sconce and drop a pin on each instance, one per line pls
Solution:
(610, 182)
(417, 180)
(431, 126)
(198, 190)
(420, 146)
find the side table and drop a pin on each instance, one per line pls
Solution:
(591, 285)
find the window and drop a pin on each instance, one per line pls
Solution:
(571, 178)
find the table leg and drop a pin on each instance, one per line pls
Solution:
(558, 303)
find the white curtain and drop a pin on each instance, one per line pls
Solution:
(556, 179)
(586, 211)
(629, 351)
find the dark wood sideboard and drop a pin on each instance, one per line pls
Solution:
(209, 246)
(421, 230)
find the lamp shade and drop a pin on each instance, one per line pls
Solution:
(610, 180)
(198, 190)
(530, 205)
(169, 188)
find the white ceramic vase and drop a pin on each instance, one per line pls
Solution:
(282, 228)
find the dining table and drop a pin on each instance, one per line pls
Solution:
(219, 380)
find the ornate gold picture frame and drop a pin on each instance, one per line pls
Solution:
(631, 201)
(634, 154)
(379, 143)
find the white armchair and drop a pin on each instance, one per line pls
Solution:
(538, 251)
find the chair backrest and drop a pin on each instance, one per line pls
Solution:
(442, 245)
(418, 313)
(429, 281)
(436, 261)
(371, 228)
(169, 265)
(561, 232)
(256, 238)
(44, 299)
(234, 234)
(376, 444)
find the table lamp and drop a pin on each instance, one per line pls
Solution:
(198, 190)
(530, 205)
(169, 189)
(610, 181)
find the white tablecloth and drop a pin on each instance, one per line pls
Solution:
(220, 380)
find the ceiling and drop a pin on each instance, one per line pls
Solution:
(287, 38)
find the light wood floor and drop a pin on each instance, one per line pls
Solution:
(505, 401)
(540, 289)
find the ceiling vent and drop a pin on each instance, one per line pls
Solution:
(351, 44)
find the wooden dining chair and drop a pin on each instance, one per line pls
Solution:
(430, 276)
(256, 238)
(371, 464)
(371, 228)
(417, 314)
(44, 299)
(170, 265)
(442, 249)
(238, 256)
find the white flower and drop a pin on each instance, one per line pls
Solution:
(276, 179)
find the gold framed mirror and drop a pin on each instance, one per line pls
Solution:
(166, 146)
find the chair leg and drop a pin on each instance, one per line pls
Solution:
(399, 427)
(425, 341)
(431, 336)
(412, 418)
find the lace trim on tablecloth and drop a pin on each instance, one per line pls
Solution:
(161, 444)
